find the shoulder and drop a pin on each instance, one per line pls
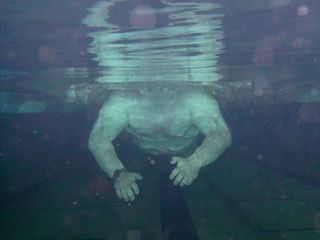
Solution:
(119, 97)
(205, 112)
(200, 100)
(118, 103)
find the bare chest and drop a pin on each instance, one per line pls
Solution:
(161, 122)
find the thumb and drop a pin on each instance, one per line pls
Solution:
(174, 160)
(138, 176)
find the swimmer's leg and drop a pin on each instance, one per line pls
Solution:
(176, 221)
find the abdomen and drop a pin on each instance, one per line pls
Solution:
(169, 145)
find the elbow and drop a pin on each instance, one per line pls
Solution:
(93, 145)
(95, 142)
(96, 145)
(227, 138)
(91, 141)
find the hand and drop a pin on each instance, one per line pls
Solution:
(185, 172)
(126, 186)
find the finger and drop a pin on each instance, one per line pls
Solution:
(131, 195)
(178, 179)
(125, 195)
(119, 194)
(189, 182)
(139, 177)
(135, 188)
(174, 160)
(182, 184)
(174, 173)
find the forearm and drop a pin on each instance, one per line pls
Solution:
(212, 147)
(106, 157)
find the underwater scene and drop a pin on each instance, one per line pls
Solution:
(160, 119)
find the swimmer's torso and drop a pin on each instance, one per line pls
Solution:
(161, 125)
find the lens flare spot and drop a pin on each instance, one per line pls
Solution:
(279, 3)
(262, 87)
(143, 17)
(47, 54)
(302, 10)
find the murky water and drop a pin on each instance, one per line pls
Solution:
(259, 59)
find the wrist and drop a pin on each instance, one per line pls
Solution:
(196, 159)
(117, 173)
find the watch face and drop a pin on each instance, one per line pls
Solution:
(117, 172)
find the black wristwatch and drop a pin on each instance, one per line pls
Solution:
(118, 172)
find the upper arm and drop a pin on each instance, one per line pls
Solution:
(112, 119)
(206, 115)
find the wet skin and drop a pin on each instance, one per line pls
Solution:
(160, 122)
